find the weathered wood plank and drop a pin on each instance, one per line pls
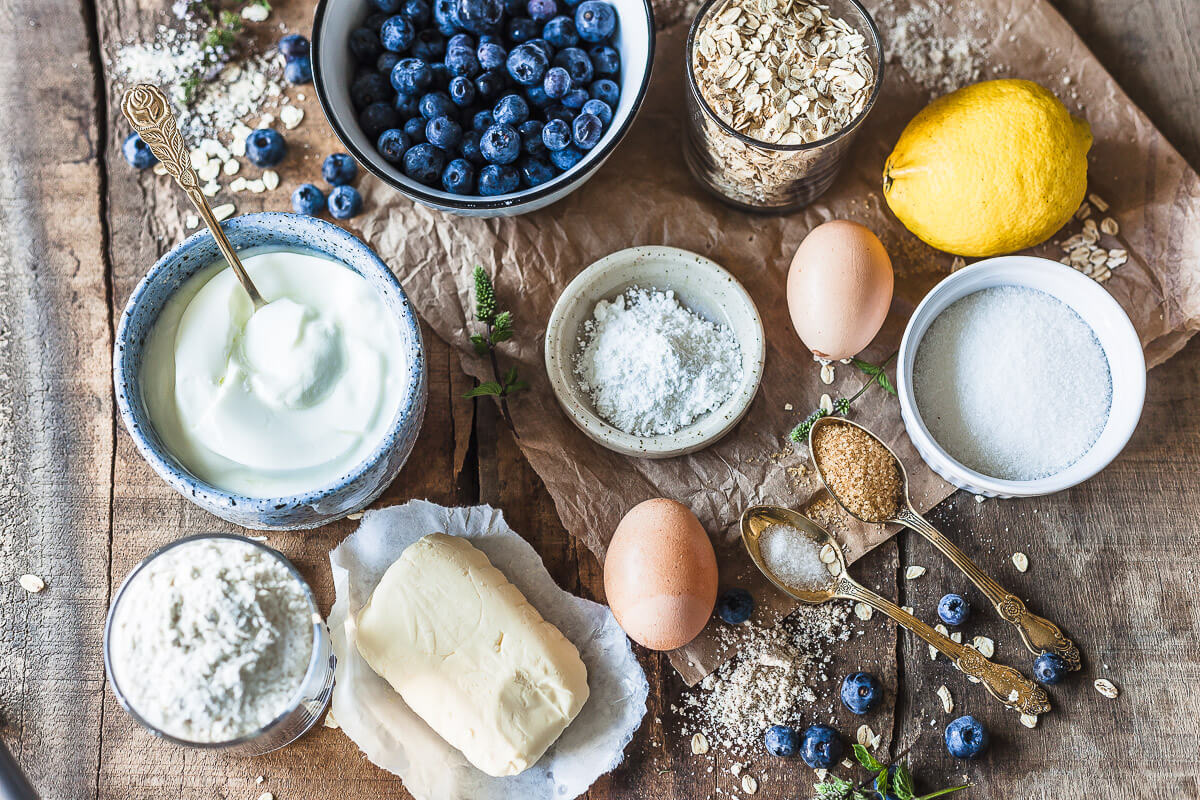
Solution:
(56, 410)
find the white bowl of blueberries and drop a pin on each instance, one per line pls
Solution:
(482, 107)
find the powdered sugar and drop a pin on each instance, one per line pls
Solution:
(653, 367)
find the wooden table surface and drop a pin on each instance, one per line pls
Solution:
(1113, 560)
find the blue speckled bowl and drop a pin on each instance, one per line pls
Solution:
(355, 489)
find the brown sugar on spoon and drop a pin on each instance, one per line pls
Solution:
(859, 471)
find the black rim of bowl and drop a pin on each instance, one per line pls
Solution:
(467, 202)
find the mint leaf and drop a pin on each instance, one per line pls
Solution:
(878, 373)
(881, 782)
(864, 757)
(501, 335)
(488, 389)
(480, 343)
(902, 783)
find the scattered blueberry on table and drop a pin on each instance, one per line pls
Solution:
(954, 609)
(298, 65)
(861, 691)
(820, 746)
(338, 169)
(492, 95)
(137, 152)
(344, 202)
(308, 199)
(735, 606)
(265, 147)
(782, 741)
(966, 737)
(1049, 668)
(293, 46)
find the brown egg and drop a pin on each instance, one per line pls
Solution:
(660, 574)
(839, 288)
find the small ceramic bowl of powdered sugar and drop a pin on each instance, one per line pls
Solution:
(655, 351)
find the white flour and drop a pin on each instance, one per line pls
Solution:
(211, 640)
(653, 367)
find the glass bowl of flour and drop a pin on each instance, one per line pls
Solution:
(655, 351)
(215, 641)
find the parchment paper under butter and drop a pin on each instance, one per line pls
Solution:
(644, 195)
(396, 739)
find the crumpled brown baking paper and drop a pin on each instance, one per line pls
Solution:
(644, 195)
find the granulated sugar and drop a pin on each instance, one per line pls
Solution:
(653, 367)
(793, 557)
(768, 682)
(1012, 383)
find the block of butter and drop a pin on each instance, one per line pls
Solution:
(470, 655)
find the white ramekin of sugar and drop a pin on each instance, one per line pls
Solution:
(1095, 307)
(215, 641)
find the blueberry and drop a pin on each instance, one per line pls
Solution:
(461, 91)
(954, 609)
(966, 737)
(1049, 668)
(491, 55)
(441, 75)
(781, 740)
(459, 177)
(531, 137)
(560, 32)
(735, 606)
(443, 17)
(377, 118)
(478, 16)
(469, 148)
(387, 6)
(407, 106)
(462, 61)
(498, 179)
(596, 20)
(392, 145)
(417, 12)
(511, 110)
(566, 158)
(411, 76)
(429, 45)
(344, 202)
(490, 84)
(368, 88)
(308, 199)
(298, 71)
(606, 90)
(558, 111)
(605, 60)
(443, 132)
(293, 46)
(557, 82)
(137, 153)
(414, 129)
(265, 147)
(375, 21)
(482, 120)
(534, 171)
(600, 109)
(574, 99)
(437, 104)
(820, 746)
(546, 48)
(537, 97)
(424, 163)
(500, 144)
(577, 64)
(861, 691)
(364, 45)
(397, 34)
(521, 29)
(338, 169)
(541, 10)
(556, 134)
(386, 62)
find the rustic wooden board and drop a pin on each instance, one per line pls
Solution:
(1112, 560)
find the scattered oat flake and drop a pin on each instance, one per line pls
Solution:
(699, 744)
(913, 572)
(224, 211)
(947, 699)
(827, 404)
(749, 785)
(1106, 688)
(827, 374)
(1029, 720)
(270, 179)
(984, 645)
(1098, 202)
(1109, 226)
(330, 722)
(291, 116)
(956, 637)
(260, 779)
(31, 583)
(788, 406)
(863, 611)
(865, 736)
(821, 773)
(1020, 561)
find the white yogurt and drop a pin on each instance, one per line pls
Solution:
(279, 401)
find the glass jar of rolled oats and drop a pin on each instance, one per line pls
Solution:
(776, 91)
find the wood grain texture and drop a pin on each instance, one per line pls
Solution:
(1110, 560)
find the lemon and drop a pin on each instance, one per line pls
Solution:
(989, 169)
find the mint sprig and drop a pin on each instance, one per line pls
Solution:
(498, 328)
(888, 778)
(878, 377)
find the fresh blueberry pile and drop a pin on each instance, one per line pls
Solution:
(485, 97)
